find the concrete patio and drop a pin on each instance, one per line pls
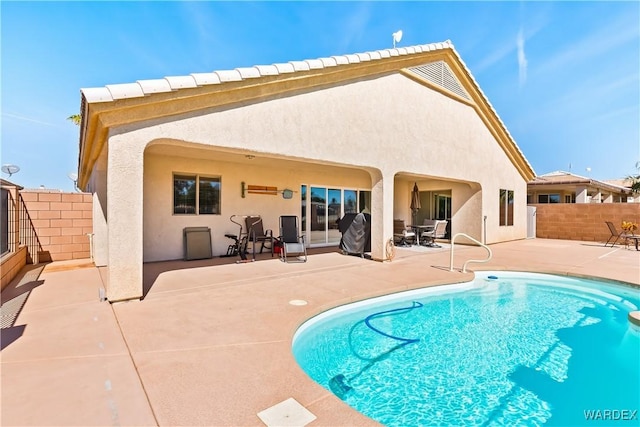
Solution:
(210, 344)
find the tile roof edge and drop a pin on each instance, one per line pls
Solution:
(572, 178)
(98, 94)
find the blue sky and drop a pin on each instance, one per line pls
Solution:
(563, 76)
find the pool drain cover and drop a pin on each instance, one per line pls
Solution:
(287, 413)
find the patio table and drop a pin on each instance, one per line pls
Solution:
(419, 229)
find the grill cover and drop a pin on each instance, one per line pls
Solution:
(356, 233)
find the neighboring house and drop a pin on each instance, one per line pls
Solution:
(565, 187)
(625, 183)
(344, 133)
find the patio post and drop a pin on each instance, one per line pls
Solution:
(124, 218)
(381, 213)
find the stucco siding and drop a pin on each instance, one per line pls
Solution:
(390, 122)
(98, 187)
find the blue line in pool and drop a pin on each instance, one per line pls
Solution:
(339, 384)
(415, 304)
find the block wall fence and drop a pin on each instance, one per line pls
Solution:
(586, 222)
(62, 222)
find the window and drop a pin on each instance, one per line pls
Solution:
(548, 198)
(506, 207)
(4, 221)
(196, 194)
(350, 201)
(209, 196)
(568, 198)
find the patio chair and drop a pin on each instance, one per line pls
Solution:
(292, 241)
(427, 225)
(257, 233)
(402, 234)
(615, 236)
(431, 222)
(439, 232)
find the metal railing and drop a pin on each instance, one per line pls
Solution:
(27, 232)
(464, 266)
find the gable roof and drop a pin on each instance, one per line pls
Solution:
(103, 108)
(562, 178)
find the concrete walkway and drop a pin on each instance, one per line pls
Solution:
(210, 344)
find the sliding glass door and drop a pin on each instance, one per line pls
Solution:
(318, 220)
(326, 207)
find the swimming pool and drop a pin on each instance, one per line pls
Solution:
(521, 348)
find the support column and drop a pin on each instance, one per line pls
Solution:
(124, 218)
(382, 193)
(608, 198)
(581, 195)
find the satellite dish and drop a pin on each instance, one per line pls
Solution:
(397, 36)
(10, 169)
(74, 177)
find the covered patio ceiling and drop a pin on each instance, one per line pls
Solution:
(243, 157)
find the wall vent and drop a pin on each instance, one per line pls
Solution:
(439, 73)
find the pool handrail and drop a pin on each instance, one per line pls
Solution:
(464, 266)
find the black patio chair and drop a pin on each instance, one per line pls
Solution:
(292, 242)
(257, 233)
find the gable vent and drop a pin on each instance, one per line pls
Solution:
(440, 74)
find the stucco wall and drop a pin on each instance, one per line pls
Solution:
(391, 123)
(98, 187)
(62, 222)
(583, 221)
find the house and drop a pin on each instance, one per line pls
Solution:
(566, 187)
(338, 134)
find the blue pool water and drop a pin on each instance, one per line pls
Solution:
(521, 349)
